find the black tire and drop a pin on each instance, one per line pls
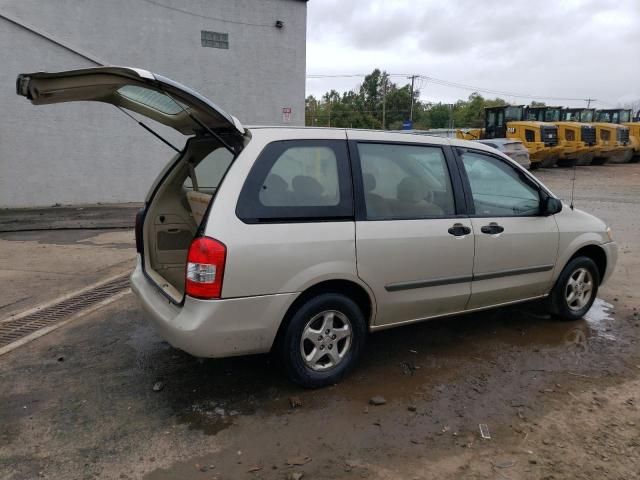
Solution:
(558, 301)
(599, 161)
(290, 348)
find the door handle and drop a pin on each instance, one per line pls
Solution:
(492, 228)
(459, 230)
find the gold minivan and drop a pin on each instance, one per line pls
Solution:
(301, 241)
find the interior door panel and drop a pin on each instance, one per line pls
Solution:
(170, 245)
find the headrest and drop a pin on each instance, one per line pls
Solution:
(275, 183)
(411, 190)
(307, 185)
(369, 182)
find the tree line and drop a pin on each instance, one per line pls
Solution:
(381, 104)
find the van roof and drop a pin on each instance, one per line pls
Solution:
(371, 134)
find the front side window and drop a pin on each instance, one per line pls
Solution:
(497, 188)
(405, 181)
(298, 180)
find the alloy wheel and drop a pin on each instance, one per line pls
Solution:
(579, 289)
(326, 339)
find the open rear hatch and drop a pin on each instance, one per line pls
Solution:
(179, 201)
(146, 93)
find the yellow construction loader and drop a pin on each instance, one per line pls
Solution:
(577, 139)
(540, 138)
(625, 118)
(612, 146)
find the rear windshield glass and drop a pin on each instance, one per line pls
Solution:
(209, 171)
(152, 99)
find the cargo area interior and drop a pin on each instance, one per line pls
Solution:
(176, 211)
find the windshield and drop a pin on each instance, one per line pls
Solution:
(586, 116)
(625, 116)
(552, 115)
(513, 114)
(606, 117)
(533, 114)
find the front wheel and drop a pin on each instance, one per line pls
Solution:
(576, 289)
(323, 340)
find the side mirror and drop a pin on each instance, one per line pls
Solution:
(551, 206)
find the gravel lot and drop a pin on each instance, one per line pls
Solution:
(560, 400)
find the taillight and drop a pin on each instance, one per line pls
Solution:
(139, 224)
(205, 268)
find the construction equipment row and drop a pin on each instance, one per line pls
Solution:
(564, 136)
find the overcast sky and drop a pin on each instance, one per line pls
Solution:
(567, 49)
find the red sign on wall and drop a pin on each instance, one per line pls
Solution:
(286, 114)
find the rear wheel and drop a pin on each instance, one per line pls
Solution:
(576, 289)
(323, 340)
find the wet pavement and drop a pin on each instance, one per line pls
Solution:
(41, 266)
(80, 402)
(69, 217)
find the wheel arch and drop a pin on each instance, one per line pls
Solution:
(595, 253)
(355, 291)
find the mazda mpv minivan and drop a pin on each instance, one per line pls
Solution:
(301, 241)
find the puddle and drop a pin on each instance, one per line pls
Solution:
(422, 361)
(209, 416)
(600, 317)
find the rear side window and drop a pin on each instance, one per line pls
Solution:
(302, 176)
(298, 180)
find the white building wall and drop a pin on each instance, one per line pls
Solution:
(90, 152)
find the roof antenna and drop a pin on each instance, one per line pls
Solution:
(573, 182)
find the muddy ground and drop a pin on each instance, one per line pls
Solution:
(560, 400)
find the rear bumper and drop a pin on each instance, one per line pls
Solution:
(213, 328)
(611, 250)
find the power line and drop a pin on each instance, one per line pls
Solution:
(208, 17)
(447, 83)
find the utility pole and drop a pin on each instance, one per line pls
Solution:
(413, 79)
(589, 100)
(384, 104)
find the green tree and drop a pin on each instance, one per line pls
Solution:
(363, 107)
(438, 115)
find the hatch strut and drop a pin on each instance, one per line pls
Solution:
(148, 129)
(199, 122)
